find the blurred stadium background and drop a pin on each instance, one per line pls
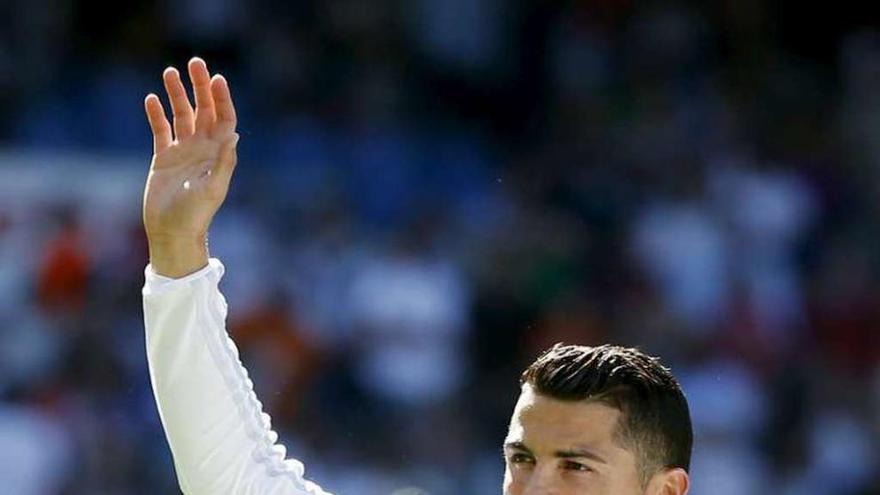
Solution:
(430, 192)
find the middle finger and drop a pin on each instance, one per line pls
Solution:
(201, 81)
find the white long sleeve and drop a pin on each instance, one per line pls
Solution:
(221, 440)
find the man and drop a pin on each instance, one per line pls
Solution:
(603, 420)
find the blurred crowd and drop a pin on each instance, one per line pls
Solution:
(429, 193)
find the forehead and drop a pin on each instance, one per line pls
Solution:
(547, 424)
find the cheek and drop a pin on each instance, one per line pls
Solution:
(622, 483)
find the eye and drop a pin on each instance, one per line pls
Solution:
(519, 458)
(576, 466)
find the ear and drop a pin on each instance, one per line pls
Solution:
(669, 482)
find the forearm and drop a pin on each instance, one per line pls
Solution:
(219, 437)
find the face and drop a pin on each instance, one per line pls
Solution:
(558, 447)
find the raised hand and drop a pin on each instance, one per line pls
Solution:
(191, 168)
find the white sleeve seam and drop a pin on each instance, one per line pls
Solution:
(241, 388)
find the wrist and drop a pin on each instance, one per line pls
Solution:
(177, 256)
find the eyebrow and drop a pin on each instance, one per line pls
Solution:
(576, 452)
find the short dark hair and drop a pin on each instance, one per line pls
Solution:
(655, 422)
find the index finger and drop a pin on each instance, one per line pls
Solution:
(226, 118)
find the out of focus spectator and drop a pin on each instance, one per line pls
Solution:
(62, 285)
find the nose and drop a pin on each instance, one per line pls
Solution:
(542, 482)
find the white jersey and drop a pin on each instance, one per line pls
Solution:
(221, 440)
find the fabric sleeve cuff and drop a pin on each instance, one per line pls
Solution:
(158, 284)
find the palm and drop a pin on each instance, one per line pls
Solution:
(189, 176)
(182, 194)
